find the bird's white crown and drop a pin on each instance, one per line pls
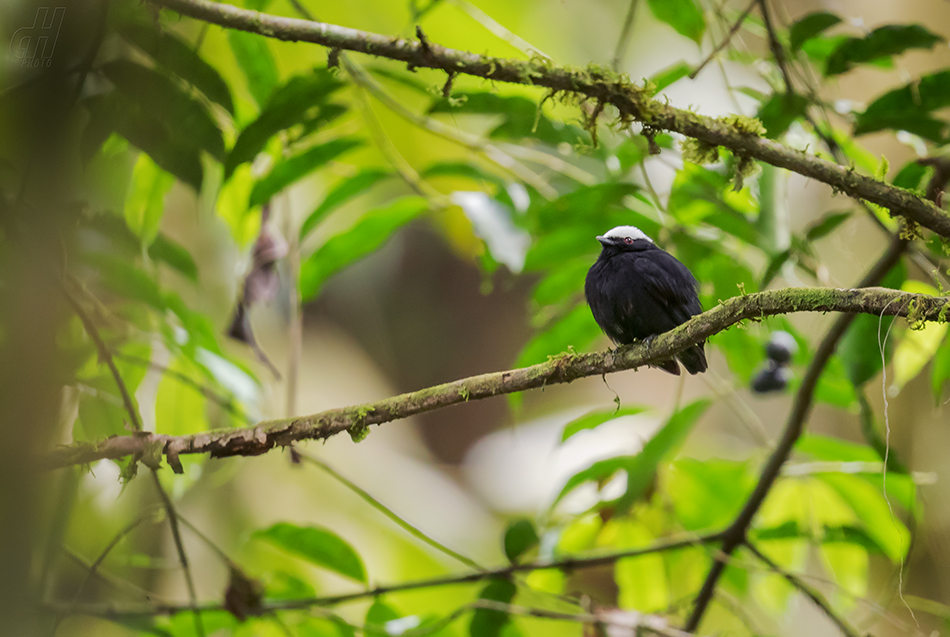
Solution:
(622, 232)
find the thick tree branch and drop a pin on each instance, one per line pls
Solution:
(595, 83)
(251, 441)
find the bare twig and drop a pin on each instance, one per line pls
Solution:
(182, 557)
(725, 41)
(817, 598)
(624, 36)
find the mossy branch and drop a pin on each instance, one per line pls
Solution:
(595, 83)
(251, 441)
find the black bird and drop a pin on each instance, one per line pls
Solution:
(636, 290)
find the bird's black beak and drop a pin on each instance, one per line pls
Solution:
(604, 240)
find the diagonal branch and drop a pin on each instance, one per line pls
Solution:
(595, 83)
(735, 535)
(565, 368)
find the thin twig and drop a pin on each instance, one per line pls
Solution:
(105, 355)
(817, 598)
(621, 47)
(725, 41)
(566, 563)
(182, 557)
(389, 513)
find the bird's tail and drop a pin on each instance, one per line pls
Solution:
(694, 359)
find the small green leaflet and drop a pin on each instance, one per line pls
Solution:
(317, 545)
(683, 15)
(910, 108)
(671, 74)
(371, 231)
(298, 166)
(490, 622)
(341, 193)
(883, 42)
(810, 26)
(520, 536)
(257, 63)
(145, 202)
(594, 419)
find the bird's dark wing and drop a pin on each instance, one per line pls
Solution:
(670, 284)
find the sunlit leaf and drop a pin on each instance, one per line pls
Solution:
(642, 581)
(257, 63)
(594, 419)
(918, 346)
(289, 170)
(708, 494)
(371, 231)
(940, 370)
(670, 75)
(492, 223)
(781, 111)
(317, 545)
(860, 348)
(683, 15)
(180, 408)
(145, 202)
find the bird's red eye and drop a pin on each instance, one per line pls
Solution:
(628, 240)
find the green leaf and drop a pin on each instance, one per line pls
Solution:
(683, 15)
(520, 536)
(911, 176)
(868, 504)
(317, 545)
(909, 108)
(940, 370)
(289, 105)
(180, 408)
(823, 227)
(594, 419)
(489, 622)
(378, 615)
(160, 98)
(145, 202)
(575, 330)
(465, 170)
(642, 581)
(708, 494)
(178, 57)
(809, 26)
(781, 111)
(174, 255)
(599, 472)
(341, 193)
(669, 75)
(562, 282)
(371, 231)
(520, 117)
(257, 63)
(181, 157)
(860, 348)
(917, 347)
(641, 470)
(883, 42)
(298, 166)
